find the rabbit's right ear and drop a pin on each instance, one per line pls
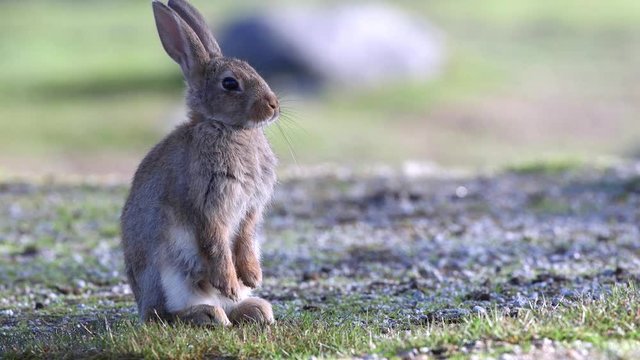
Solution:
(180, 41)
(199, 25)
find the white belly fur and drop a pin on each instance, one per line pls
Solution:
(179, 291)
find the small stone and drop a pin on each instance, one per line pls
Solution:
(448, 315)
(64, 290)
(520, 302)
(80, 284)
(439, 351)
(370, 357)
(408, 355)
(310, 276)
(15, 211)
(462, 192)
(123, 289)
(418, 295)
(516, 280)
(511, 312)
(568, 293)
(311, 307)
(429, 272)
(479, 310)
(30, 250)
(479, 295)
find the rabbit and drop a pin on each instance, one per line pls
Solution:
(189, 222)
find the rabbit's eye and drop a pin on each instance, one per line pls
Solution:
(230, 84)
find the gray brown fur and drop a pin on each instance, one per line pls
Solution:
(198, 196)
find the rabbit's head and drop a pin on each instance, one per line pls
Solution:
(221, 89)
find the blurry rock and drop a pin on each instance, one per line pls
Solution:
(30, 250)
(453, 315)
(352, 45)
(310, 276)
(479, 310)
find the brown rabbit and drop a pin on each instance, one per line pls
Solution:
(188, 226)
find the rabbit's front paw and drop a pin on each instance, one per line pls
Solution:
(249, 271)
(227, 282)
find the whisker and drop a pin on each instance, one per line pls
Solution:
(288, 126)
(290, 120)
(293, 156)
(290, 116)
(295, 126)
(289, 111)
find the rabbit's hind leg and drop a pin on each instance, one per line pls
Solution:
(252, 310)
(203, 315)
(150, 297)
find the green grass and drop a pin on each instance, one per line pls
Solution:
(572, 14)
(342, 330)
(547, 167)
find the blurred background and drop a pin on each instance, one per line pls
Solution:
(85, 86)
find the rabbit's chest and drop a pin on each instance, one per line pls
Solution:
(258, 184)
(243, 181)
(255, 187)
(233, 172)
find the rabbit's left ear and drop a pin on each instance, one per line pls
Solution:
(180, 41)
(199, 25)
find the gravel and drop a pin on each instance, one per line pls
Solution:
(420, 248)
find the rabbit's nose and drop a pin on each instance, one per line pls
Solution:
(272, 100)
(265, 108)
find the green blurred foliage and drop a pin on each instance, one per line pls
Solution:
(79, 78)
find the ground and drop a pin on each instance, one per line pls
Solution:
(538, 261)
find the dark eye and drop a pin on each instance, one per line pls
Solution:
(230, 84)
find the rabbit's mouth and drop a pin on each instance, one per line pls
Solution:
(273, 119)
(249, 124)
(253, 124)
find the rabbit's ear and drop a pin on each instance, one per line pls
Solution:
(180, 41)
(199, 25)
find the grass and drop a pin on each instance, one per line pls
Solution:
(547, 167)
(341, 332)
(90, 78)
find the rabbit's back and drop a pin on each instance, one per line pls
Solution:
(144, 219)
